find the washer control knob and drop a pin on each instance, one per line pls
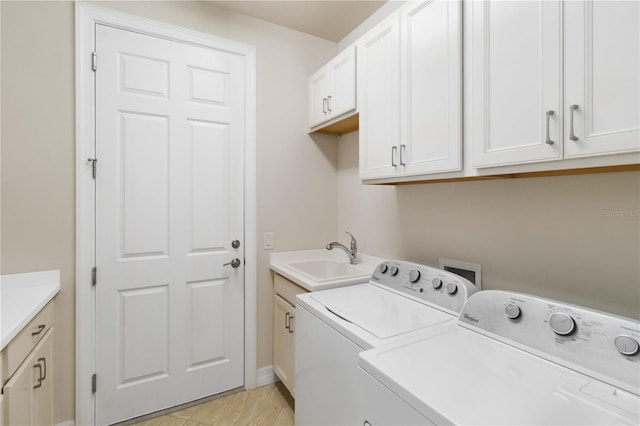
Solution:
(383, 268)
(626, 345)
(452, 288)
(512, 311)
(562, 324)
(393, 270)
(414, 275)
(437, 283)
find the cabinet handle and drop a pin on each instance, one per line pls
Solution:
(549, 141)
(329, 103)
(402, 149)
(44, 365)
(40, 328)
(289, 326)
(572, 135)
(393, 156)
(324, 105)
(40, 379)
(286, 320)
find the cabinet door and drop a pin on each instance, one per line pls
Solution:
(378, 99)
(17, 395)
(431, 87)
(318, 90)
(42, 396)
(602, 77)
(516, 82)
(283, 345)
(342, 83)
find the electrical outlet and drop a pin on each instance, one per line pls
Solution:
(268, 241)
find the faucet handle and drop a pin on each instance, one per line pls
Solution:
(354, 243)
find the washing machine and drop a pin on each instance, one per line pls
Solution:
(334, 326)
(512, 359)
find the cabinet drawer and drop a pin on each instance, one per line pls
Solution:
(18, 348)
(287, 289)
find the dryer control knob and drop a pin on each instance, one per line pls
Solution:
(512, 311)
(414, 275)
(626, 345)
(393, 270)
(383, 268)
(562, 324)
(437, 283)
(452, 288)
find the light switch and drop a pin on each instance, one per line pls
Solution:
(268, 241)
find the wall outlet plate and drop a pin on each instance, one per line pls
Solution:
(468, 270)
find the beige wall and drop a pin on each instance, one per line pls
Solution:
(296, 202)
(551, 236)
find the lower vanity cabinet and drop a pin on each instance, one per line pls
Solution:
(27, 394)
(284, 316)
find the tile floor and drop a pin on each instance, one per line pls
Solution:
(267, 405)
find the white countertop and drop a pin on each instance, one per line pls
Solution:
(279, 262)
(22, 296)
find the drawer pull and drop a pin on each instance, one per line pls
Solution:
(40, 328)
(289, 325)
(286, 320)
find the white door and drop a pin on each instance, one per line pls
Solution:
(431, 87)
(516, 71)
(602, 77)
(342, 77)
(379, 99)
(169, 202)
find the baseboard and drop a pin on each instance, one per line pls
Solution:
(266, 376)
(67, 423)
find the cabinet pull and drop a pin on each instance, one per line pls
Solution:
(44, 366)
(286, 320)
(329, 103)
(402, 149)
(549, 141)
(39, 379)
(324, 105)
(289, 326)
(572, 135)
(393, 156)
(40, 328)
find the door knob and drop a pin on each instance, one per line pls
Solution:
(235, 263)
(235, 243)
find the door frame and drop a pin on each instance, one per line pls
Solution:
(86, 17)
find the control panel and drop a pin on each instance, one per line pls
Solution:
(435, 286)
(602, 345)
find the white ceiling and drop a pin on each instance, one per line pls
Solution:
(328, 19)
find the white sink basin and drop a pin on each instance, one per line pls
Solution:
(328, 270)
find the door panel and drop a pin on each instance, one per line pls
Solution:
(169, 200)
(602, 77)
(516, 76)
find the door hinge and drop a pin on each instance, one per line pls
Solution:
(94, 383)
(94, 276)
(93, 162)
(94, 61)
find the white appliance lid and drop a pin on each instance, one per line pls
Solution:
(462, 377)
(382, 313)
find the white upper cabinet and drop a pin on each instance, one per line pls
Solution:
(379, 99)
(516, 68)
(602, 77)
(430, 87)
(409, 92)
(332, 89)
(526, 108)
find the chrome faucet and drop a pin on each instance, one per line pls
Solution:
(353, 253)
